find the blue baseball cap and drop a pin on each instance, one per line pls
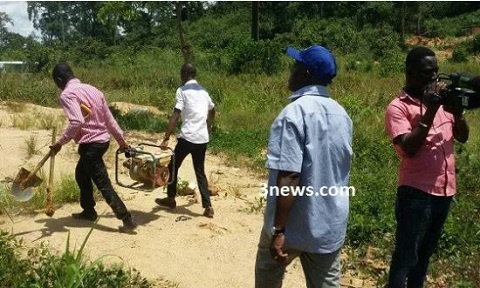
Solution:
(318, 60)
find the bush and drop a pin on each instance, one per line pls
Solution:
(392, 64)
(461, 53)
(255, 57)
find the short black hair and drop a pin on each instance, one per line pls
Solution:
(416, 55)
(189, 70)
(63, 71)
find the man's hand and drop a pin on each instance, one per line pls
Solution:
(276, 248)
(209, 127)
(456, 109)
(55, 148)
(432, 94)
(124, 147)
(164, 145)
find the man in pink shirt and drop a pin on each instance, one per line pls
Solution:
(90, 125)
(422, 131)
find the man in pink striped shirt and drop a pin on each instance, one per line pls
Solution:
(90, 125)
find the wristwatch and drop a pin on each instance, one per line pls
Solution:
(276, 231)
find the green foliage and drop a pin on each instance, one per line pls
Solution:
(241, 142)
(255, 57)
(452, 26)
(67, 191)
(140, 120)
(221, 32)
(465, 50)
(461, 53)
(394, 64)
(42, 268)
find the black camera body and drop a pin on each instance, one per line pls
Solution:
(463, 90)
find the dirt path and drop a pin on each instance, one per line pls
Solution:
(177, 248)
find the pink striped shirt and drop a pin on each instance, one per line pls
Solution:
(87, 126)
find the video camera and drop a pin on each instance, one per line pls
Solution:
(463, 90)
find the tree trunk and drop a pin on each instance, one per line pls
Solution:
(186, 48)
(62, 24)
(419, 17)
(255, 21)
(402, 25)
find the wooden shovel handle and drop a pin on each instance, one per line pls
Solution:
(49, 208)
(39, 165)
(52, 159)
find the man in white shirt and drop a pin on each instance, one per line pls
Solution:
(197, 110)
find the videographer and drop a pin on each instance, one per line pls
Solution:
(422, 131)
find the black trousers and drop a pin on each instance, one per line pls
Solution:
(182, 149)
(90, 167)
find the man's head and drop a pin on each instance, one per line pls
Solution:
(62, 73)
(315, 65)
(188, 72)
(421, 68)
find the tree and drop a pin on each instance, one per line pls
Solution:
(255, 20)
(4, 20)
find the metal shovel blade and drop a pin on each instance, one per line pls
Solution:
(22, 190)
(22, 195)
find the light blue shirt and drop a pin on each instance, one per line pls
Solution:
(312, 136)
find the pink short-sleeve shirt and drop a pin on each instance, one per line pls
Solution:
(432, 168)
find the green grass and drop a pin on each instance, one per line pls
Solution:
(41, 268)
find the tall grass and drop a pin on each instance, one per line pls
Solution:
(41, 268)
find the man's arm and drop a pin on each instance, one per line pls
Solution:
(283, 207)
(75, 120)
(172, 125)
(461, 130)
(113, 127)
(210, 119)
(411, 143)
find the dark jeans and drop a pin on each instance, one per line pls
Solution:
(90, 167)
(182, 149)
(420, 218)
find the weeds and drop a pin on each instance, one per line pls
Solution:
(49, 121)
(41, 268)
(257, 206)
(15, 107)
(23, 122)
(37, 120)
(31, 146)
(65, 191)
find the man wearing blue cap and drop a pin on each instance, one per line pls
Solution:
(309, 155)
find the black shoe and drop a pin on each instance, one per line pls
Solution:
(208, 212)
(84, 215)
(166, 202)
(129, 224)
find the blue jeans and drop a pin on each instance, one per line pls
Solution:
(420, 219)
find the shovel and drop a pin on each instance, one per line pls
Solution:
(22, 188)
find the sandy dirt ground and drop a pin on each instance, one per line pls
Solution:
(173, 248)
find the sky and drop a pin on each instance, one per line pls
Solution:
(17, 11)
